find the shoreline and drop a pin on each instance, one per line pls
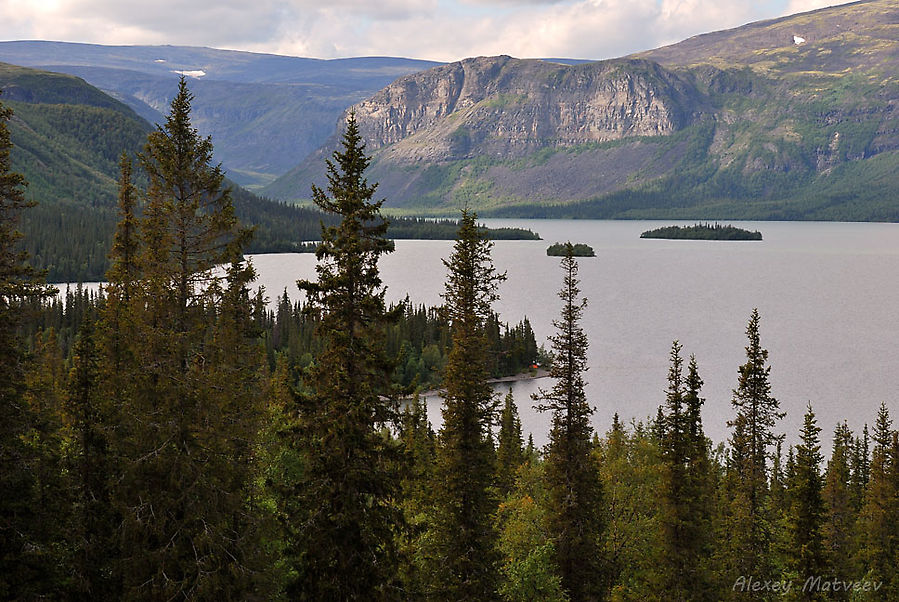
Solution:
(521, 376)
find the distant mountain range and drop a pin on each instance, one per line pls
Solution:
(265, 112)
(792, 118)
(67, 139)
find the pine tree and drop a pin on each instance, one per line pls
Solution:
(187, 417)
(18, 283)
(419, 447)
(840, 516)
(124, 271)
(878, 537)
(757, 415)
(342, 546)
(687, 488)
(861, 468)
(463, 534)
(92, 534)
(189, 225)
(574, 501)
(807, 510)
(510, 450)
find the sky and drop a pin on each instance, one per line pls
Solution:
(443, 30)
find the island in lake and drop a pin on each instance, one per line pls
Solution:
(703, 232)
(578, 250)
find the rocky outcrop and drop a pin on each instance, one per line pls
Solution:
(746, 122)
(510, 107)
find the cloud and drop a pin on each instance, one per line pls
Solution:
(436, 29)
(803, 6)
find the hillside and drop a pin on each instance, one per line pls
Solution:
(67, 139)
(265, 112)
(790, 119)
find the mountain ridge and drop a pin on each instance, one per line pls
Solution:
(781, 127)
(265, 111)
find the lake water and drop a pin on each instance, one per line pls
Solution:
(828, 295)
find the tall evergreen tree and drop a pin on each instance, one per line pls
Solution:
(861, 468)
(342, 546)
(510, 446)
(840, 515)
(419, 446)
(464, 537)
(574, 510)
(757, 414)
(878, 533)
(189, 225)
(687, 487)
(185, 416)
(807, 510)
(18, 283)
(124, 271)
(92, 534)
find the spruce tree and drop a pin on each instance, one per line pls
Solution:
(687, 487)
(18, 283)
(840, 515)
(419, 445)
(807, 510)
(574, 500)
(510, 447)
(124, 271)
(757, 414)
(878, 537)
(342, 543)
(861, 468)
(92, 534)
(463, 534)
(186, 418)
(189, 225)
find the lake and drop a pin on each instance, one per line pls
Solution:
(828, 296)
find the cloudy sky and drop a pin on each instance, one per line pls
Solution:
(429, 29)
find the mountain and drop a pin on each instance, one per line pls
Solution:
(67, 139)
(791, 118)
(265, 112)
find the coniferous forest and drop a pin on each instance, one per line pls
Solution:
(173, 438)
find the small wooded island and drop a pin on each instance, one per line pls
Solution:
(578, 250)
(703, 232)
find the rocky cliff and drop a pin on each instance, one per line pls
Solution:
(510, 107)
(791, 118)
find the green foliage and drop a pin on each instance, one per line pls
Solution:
(509, 449)
(181, 361)
(687, 472)
(632, 473)
(840, 516)
(21, 563)
(702, 232)
(575, 495)
(806, 513)
(877, 527)
(464, 500)
(529, 563)
(749, 517)
(577, 250)
(342, 543)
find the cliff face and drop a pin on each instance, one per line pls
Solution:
(510, 107)
(788, 119)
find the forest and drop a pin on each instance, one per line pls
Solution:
(703, 231)
(173, 438)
